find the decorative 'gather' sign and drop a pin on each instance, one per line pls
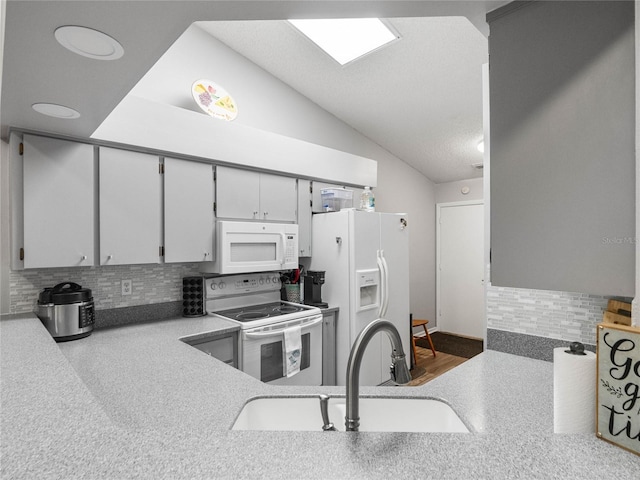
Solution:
(618, 389)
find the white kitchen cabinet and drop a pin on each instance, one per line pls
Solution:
(244, 194)
(329, 373)
(188, 211)
(278, 198)
(237, 193)
(224, 347)
(59, 205)
(130, 207)
(304, 218)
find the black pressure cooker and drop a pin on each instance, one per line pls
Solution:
(67, 311)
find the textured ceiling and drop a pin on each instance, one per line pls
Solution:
(419, 98)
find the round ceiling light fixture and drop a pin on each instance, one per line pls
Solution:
(89, 42)
(54, 110)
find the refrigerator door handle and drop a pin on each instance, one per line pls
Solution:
(385, 301)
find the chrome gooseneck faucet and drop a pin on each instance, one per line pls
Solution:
(399, 371)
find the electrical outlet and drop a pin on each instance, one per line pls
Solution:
(126, 287)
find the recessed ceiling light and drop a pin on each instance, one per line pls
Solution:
(88, 42)
(346, 39)
(53, 110)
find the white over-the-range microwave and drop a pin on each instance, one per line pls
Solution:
(244, 247)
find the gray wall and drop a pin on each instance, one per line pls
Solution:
(404, 190)
(635, 314)
(4, 190)
(4, 228)
(562, 147)
(452, 191)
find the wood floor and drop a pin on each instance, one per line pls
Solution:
(427, 367)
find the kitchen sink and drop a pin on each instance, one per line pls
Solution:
(377, 414)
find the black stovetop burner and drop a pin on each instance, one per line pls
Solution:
(257, 312)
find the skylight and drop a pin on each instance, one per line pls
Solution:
(346, 39)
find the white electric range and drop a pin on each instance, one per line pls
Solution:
(253, 302)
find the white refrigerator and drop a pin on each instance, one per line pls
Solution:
(366, 259)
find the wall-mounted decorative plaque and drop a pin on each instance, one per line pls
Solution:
(618, 388)
(214, 100)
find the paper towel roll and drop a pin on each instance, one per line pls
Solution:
(574, 392)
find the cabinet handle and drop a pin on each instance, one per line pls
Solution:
(84, 257)
(110, 257)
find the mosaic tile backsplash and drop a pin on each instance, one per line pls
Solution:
(150, 284)
(559, 315)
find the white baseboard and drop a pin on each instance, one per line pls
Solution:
(421, 332)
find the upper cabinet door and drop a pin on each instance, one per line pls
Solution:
(188, 211)
(304, 218)
(130, 207)
(59, 212)
(248, 195)
(237, 193)
(278, 198)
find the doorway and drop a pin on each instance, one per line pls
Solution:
(460, 268)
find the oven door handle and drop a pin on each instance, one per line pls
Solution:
(280, 331)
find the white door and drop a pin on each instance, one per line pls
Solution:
(460, 276)
(188, 211)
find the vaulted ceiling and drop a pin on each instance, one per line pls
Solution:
(420, 98)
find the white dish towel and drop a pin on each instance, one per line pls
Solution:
(292, 350)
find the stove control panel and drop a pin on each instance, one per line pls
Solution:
(245, 283)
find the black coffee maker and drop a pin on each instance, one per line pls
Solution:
(313, 281)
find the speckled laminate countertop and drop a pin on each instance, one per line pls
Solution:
(135, 402)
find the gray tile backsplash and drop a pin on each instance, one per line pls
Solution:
(151, 284)
(555, 315)
(559, 315)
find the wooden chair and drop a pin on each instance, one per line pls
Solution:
(423, 324)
